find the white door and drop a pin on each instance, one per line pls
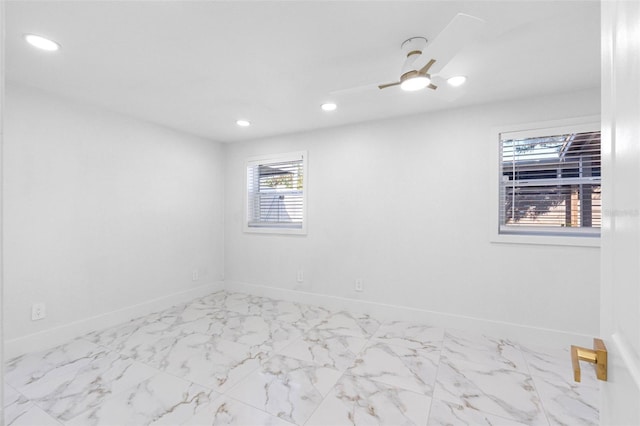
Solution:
(620, 288)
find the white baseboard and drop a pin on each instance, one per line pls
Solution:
(522, 334)
(54, 336)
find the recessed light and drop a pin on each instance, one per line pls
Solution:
(41, 42)
(329, 106)
(243, 123)
(457, 80)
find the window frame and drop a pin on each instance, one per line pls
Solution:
(266, 160)
(542, 128)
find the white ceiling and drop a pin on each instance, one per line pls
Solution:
(199, 66)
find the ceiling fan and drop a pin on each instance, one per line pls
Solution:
(424, 60)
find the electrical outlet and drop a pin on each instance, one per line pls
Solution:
(358, 286)
(300, 276)
(195, 275)
(38, 311)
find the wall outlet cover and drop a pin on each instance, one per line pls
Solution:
(38, 311)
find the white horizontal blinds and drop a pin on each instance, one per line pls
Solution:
(275, 191)
(551, 184)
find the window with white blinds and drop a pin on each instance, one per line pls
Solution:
(276, 195)
(550, 182)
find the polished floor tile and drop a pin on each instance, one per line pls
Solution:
(568, 403)
(411, 335)
(287, 387)
(326, 348)
(161, 399)
(481, 349)
(358, 325)
(358, 400)
(399, 366)
(239, 359)
(18, 410)
(63, 360)
(209, 361)
(445, 413)
(500, 391)
(228, 411)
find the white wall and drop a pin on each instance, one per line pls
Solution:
(404, 205)
(102, 212)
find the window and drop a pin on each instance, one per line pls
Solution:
(550, 182)
(276, 194)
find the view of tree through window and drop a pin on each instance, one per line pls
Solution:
(551, 182)
(275, 193)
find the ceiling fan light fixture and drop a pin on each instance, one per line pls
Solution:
(415, 83)
(42, 43)
(457, 80)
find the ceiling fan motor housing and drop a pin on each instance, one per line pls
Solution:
(412, 48)
(414, 44)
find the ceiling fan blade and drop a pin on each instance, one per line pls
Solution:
(384, 86)
(354, 90)
(462, 30)
(425, 69)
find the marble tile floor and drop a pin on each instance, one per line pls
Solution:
(236, 359)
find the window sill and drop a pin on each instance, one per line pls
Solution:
(547, 240)
(275, 231)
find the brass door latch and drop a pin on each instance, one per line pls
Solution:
(597, 356)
